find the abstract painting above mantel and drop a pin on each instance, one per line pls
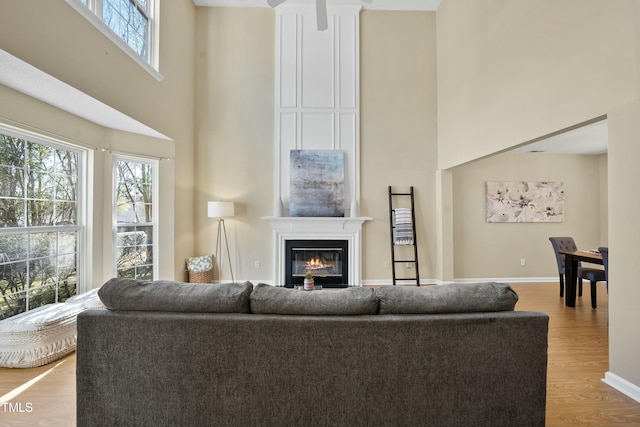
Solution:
(524, 201)
(317, 183)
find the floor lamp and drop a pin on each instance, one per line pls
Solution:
(221, 210)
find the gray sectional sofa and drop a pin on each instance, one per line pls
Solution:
(177, 354)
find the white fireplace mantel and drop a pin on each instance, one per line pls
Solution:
(329, 228)
(317, 107)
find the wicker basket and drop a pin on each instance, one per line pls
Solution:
(200, 269)
(201, 276)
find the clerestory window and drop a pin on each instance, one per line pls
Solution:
(41, 225)
(132, 22)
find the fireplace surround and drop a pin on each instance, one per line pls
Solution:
(326, 260)
(348, 229)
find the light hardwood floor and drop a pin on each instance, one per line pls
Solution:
(578, 359)
(576, 396)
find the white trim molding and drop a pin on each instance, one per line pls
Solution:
(418, 5)
(304, 228)
(623, 386)
(317, 94)
(432, 281)
(24, 77)
(507, 279)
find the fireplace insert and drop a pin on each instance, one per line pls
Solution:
(326, 260)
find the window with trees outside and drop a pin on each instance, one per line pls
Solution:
(130, 20)
(134, 214)
(41, 227)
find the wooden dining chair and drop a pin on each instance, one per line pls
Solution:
(593, 275)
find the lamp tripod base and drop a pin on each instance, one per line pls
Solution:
(222, 230)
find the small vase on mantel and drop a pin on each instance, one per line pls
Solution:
(309, 284)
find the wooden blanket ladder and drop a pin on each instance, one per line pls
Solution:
(402, 226)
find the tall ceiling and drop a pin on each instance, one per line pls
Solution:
(429, 5)
(588, 139)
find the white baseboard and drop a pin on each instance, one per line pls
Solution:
(622, 385)
(474, 280)
(508, 279)
(430, 281)
(388, 282)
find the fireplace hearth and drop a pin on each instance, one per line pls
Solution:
(326, 260)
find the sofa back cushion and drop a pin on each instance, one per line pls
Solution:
(165, 295)
(266, 299)
(454, 298)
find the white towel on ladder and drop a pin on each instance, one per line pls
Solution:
(403, 227)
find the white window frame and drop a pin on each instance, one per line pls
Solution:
(154, 216)
(81, 215)
(92, 12)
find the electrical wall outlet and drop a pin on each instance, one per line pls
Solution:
(256, 264)
(523, 262)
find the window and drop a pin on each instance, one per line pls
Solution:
(135, 218)
(41, 227)
(128, 23)
(129, 19)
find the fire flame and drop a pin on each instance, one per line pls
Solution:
(316, 264)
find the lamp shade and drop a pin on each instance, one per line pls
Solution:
(220, 209)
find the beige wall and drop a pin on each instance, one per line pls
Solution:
(603, 173)
(513, 71)
(510, 72)
(398, 131)
(493, 250)
(234, 133)
(234, 130)
(624, 234)
(53, 37)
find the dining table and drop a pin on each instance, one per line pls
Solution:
(572, 260)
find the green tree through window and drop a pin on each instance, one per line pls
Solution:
(134, 239)
(39, 226)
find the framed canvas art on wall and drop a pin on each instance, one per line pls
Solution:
(317, 183)
(524, 201)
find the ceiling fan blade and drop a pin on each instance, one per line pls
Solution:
(321, 14)
(274, 3)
